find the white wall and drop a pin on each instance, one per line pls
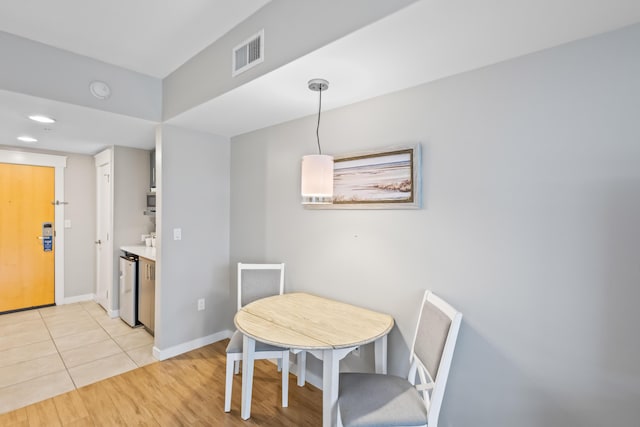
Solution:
(193, 195)
(531, 173)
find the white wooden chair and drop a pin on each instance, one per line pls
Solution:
(385, 400)
(257, 281)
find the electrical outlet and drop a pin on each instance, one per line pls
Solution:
(177, 234)
(201, 304)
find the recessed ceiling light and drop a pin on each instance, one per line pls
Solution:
(99, 89)
(42, 119)
(25, 138)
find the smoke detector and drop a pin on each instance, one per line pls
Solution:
(100, 89)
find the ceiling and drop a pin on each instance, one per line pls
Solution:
(428, 40)
(127, 33)
(77, 129)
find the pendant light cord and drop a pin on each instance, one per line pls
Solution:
(318, 127)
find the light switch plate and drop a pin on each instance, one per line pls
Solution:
(177, 234)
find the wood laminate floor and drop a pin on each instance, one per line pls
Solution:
(187, 390)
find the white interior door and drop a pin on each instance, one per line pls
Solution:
(104, 243)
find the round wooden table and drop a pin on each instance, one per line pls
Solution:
(326, 328)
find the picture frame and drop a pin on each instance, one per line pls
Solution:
(389, 178)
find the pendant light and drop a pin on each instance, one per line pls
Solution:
(317, 169)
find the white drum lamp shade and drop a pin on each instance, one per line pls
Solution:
(317, 169)
(317, 179)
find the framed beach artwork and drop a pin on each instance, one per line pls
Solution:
(383, 179)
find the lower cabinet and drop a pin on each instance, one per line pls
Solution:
(147, 293)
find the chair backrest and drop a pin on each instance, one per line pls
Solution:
(432, 351)
(257, 281)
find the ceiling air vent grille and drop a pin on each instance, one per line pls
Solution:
(248, 54)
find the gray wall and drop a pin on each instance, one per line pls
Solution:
(531, 173)
(130, 186)
(193, 194)
(80, 250)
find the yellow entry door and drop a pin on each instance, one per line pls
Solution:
(26, 268)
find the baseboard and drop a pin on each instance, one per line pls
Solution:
(113, 313)
(310, 377)
(190, 345)
(78, 298)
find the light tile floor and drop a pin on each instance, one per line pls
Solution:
(50, 351)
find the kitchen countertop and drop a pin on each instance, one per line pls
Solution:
(140, 250)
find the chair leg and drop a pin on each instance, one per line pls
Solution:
(302, 368)
(228, 386)
(285, 378)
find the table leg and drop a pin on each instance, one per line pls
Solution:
(248, 350)
(330, 376)
(381, 355)
(302, 368)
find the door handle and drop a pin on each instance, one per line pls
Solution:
(97, 242)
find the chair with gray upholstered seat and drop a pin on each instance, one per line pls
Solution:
(386, 400)
(257, 281)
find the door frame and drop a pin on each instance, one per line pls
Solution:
(59, 163)
(100, 159)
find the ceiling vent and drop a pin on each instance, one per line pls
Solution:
(248, 54)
